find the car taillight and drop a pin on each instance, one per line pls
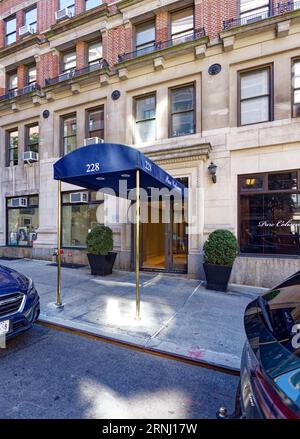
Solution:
(269, 400)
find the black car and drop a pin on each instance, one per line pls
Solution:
(270, 368)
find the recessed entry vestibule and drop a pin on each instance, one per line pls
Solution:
(164, 244)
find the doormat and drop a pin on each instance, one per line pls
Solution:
(9, 258)
(66, 265)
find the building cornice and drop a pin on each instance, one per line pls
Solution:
(22, 44)
(165, 53)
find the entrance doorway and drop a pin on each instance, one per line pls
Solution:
(164, 245)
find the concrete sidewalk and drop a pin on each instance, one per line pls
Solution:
(178, 315)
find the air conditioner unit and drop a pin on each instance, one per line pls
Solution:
(62, 14)
(26, 30)
(93, 141)
(17, 202)
(79, 197)
(31, 156)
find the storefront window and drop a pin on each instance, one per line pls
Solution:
(79, 215)
(270, 215)
(22, 221)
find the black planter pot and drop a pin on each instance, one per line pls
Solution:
(217, 276)
(102, 265)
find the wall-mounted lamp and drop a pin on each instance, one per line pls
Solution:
(212, 169)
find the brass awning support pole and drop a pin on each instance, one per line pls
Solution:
(58, 298)
(137, 246)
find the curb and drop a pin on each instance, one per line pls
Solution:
(82, 330)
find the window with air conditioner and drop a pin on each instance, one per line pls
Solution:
(30, 19)
(32, 133)
(67, 4)
(78, 218)
(22, 221)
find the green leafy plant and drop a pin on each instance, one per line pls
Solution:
(100, 240)
(220, 248)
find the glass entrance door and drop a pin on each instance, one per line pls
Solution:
(164, 244)
(154, 240)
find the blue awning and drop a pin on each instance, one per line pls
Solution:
(103, 165)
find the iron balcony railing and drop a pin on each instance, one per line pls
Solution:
(20, 92)
(154, 47)
(74, 73)
(279, 9)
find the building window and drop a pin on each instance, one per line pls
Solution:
(296, 89)
(145, 37)
(70, 4)
(253, 10)
(79, 216)
(95, 120)
(31, 75)
(182, 24)
(12, 147)
(68, 62)
(145, 118)
(269, 213)
(255, 96)
(95, 53)
(12, 82)
(182, 101)
(31, 19)
(69, 128)
(22, 220)
(32, 133)
(90, 4)
(10, 30)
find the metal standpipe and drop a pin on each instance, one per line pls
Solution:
(137, 246)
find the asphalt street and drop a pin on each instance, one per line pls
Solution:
(52, 374)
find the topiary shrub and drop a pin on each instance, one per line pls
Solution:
(220, 248)
(100, 240)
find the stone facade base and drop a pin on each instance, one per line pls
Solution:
(263, 271)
